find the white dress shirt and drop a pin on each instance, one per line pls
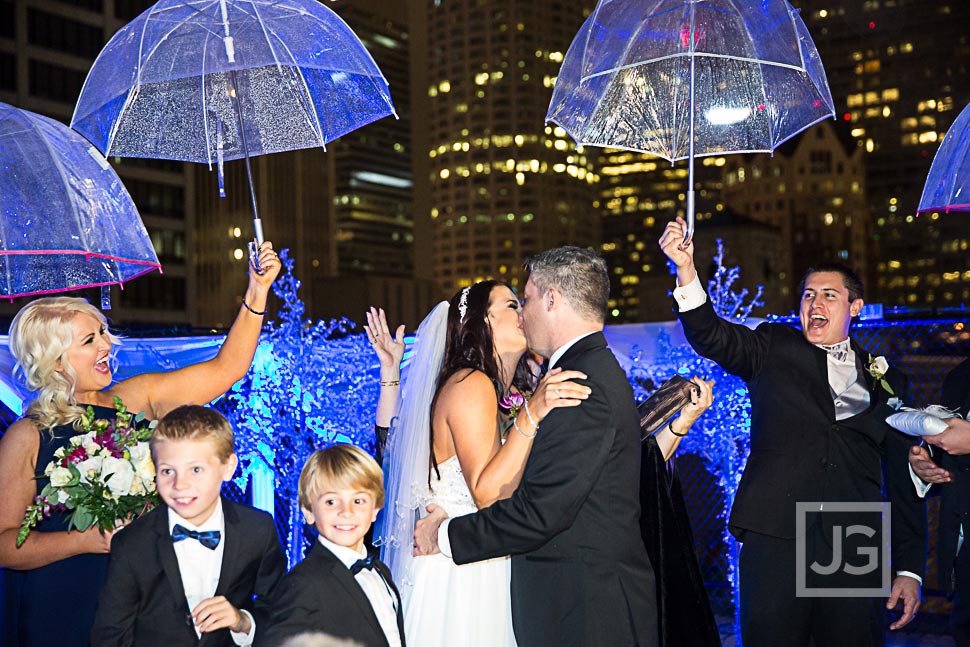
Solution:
(382, 600)
(200, 567)
(842, 375)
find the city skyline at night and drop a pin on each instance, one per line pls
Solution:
(470, 180)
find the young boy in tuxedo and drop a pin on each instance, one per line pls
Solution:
(200, 566)
(338, 589)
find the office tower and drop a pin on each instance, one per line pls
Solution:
(898, 71)
(46, 49)
(493, 183)
(813, 190)
(637, 195)
(345, 213)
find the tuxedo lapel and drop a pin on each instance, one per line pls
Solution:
(232, 540)
(820, 367)
(350, 586)
(165, 550)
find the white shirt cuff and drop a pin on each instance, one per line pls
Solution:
(241, 639)
(690, 296)
(444, 543)
(912, 575)
(922, 487)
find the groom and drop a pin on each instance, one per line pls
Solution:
(580, 574)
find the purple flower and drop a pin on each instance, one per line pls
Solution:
(512, 400)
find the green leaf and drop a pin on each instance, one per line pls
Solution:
(886, 386)
(82, 519)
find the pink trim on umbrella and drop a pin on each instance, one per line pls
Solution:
(946, 208)
(27, 252)
(120, 284)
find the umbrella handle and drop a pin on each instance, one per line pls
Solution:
(254, 246)
(689, 233)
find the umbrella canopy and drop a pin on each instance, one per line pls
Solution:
(947, 186)
(213, 80)
(66, 220)
(687, 78)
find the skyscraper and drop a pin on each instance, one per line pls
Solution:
(495, 184)
(345, 214)
(898, 70)
(812, 189)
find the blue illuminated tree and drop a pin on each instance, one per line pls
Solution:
(309, 387)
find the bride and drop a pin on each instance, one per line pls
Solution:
(453, 444)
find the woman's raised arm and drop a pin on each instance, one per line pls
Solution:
(159, 393)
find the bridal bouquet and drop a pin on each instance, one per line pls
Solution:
(104, 474)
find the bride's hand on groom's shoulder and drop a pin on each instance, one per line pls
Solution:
(557, 389)
(426, 531)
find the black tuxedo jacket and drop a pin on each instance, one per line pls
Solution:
(954, 496)
(321, 595)
(580, 573)
(143, 602)
(799, 451)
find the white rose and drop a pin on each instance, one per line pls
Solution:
(141, 458)
(90, 469)
(138, 486)
(60, 476)
(120, 474)
(62, 496)
(880, 365)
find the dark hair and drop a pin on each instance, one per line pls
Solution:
(469, 345)
(850, 279)
(580, 274)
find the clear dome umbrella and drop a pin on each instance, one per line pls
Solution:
(947, 185)
(66, 220)
(215, 80)
(688, 78)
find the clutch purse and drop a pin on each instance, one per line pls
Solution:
(664, 403)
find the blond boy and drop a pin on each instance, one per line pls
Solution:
(199, 565)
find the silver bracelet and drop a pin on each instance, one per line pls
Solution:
(531, 419)
(515, 423)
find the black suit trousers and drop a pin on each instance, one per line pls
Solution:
(773, 616)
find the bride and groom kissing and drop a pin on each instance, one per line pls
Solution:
(559, 495)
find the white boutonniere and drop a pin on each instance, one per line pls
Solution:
(877, 368)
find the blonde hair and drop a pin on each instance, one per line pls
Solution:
(341, 466)
(40, 336)
(194, 422)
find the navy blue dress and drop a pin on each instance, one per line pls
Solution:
(53, 604)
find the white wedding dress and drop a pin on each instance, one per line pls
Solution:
(457, 606)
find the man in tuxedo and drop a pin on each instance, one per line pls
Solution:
(818, 435)
(580, 573)
(950, 466)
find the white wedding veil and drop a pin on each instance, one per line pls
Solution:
(407, 460)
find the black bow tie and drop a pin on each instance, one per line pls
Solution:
(368, 563)
(208, 538)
